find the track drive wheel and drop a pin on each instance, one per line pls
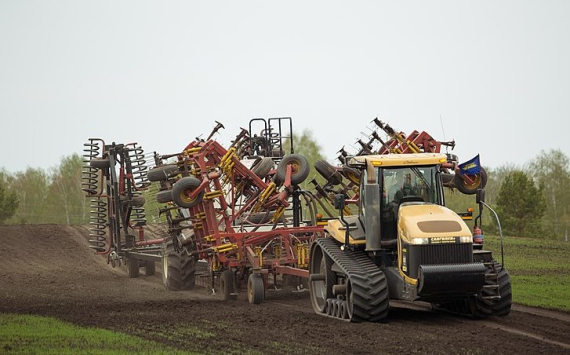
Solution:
(321, 280)
(255, 289)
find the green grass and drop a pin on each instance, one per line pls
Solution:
(539, 270)
(25, 334)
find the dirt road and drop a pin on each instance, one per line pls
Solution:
(49, 270)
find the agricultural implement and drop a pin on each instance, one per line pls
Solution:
(239, 211)
(114, 179)
(237, 208)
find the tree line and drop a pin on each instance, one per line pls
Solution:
(531, 200)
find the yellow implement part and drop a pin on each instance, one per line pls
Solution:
(213, 194)
(277, 214)
(302, 251)
(257, 251)
(225, 248)
(264, 195)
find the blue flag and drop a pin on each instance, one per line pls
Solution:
(470, 167)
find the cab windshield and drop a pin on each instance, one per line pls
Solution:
(409, 184)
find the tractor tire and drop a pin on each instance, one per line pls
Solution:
(164, 196)
(479, 182)
(162, 173)
(478, 307)
(331, 175)
(299, 168)
(132, 268)
(183, 188)
(178, 268)
(100, 163)
(263, 167)
(501, 307)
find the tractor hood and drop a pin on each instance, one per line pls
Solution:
(426, 223)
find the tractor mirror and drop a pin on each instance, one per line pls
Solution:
(339, 201)
(480, 195)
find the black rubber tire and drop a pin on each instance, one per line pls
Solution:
(149, 267)
(500, 307)
(351, 174)
(447, 179)
(178, 269)
(300, 168)
(263, 167)
(183, 188)
(162, 173)
(164, 196)
(227, 284)
(477, 307)
(260, 217)
(255, 289)
(132, 268)
(331, 175)
(138, 201)
(100, 163)
(479, 182)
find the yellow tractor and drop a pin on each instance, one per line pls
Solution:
(403, 244)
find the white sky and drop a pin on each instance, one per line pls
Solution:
(495, 73)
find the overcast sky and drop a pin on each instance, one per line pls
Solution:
(493, 75)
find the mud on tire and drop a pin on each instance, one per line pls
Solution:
(178, 268)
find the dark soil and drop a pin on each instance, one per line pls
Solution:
(49, 270)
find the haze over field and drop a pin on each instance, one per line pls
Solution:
(492, 75)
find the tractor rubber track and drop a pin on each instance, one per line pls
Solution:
(370, 298)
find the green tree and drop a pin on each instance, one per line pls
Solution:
(520, 205)
(8, 201)
(67, 200)
(306, 145)
(552, 172)
(31, 188)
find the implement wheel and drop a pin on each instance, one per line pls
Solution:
(162, 173)
(149, 268)
(299, 168)
(255, 289)
(227, 285)
(164, 196)
(132, 268)
(183, 188)
(263, 167)
(479, 182)
(328, 171)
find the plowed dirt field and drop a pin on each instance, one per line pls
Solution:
(49, 270)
